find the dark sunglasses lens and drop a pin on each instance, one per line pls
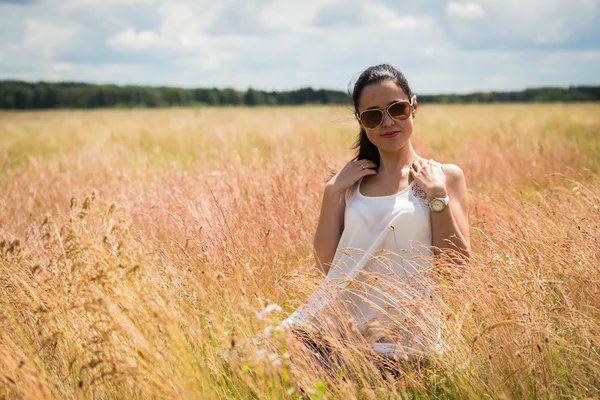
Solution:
(371, 118)
(400, 110)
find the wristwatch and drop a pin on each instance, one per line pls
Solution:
(438, 204)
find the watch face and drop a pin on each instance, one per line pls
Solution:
(437, 205)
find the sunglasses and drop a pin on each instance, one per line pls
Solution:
(399, 110)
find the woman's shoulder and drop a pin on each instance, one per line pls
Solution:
(453, 172)
(455, 180)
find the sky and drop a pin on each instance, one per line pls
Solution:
(441, 46)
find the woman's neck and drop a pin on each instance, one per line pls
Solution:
(395, 162)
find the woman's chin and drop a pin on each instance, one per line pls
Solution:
(391, 147)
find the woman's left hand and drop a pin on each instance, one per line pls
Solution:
(430, 177)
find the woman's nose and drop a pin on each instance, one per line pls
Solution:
(387, 119)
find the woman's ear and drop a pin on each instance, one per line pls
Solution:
(415, 105)
(358, 120)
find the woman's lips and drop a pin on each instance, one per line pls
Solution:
(390, 134)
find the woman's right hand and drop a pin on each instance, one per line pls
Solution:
(350, 174)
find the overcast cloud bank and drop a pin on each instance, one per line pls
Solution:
(442, 46)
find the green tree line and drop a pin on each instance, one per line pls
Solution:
(18, 95)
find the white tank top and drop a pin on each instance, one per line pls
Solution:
(376, 269)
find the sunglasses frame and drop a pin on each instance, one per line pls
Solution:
(387, 110)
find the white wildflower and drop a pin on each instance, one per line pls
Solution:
(275, 360)
(273, 330)
(268, 309)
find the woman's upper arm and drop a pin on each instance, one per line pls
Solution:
(459, 198)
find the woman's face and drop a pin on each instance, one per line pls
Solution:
(391, 134)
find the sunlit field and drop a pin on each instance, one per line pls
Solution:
(140, 251)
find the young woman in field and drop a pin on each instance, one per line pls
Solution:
(384, 216)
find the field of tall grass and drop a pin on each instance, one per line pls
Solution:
(142, 250)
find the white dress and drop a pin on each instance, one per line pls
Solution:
(380, 280)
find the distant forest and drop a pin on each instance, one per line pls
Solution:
(17, 95)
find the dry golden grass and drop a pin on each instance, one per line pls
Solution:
(137, 246)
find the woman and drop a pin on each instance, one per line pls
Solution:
(383, 217)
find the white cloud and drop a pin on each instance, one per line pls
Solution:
(385, 17)
(295, 16)
(271, 44)
(180, 37)
(184, 48)
(591, 55)
(464, 10)
(405, 23)
(430, 52)
(129, 39)
(45, 37)
(83, 3)
(62, 67)
(525, 24)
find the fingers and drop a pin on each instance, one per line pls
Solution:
(436, 163)
(364, 164)
(419, 165)
(368, 171)
(368, 168)
(416, 166)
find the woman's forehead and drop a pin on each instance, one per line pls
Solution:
(381, 94)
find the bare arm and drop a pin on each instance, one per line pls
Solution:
(329, 228)
(450, 227)
(331, 219)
